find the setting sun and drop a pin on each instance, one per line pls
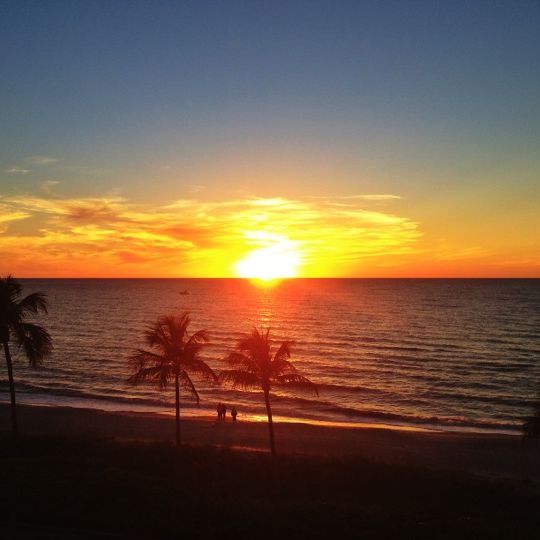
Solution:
(278, 261)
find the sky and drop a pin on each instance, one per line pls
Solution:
(216, 139)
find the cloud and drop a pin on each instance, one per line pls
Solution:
(89, 209)
(41, 160)
(365, 197)
(8, 215)
(195, 188)
(17, 170)
(132, 257)
(101, 235)
(378, 197)
(31, 160)
(47, 185)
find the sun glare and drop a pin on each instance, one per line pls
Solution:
(275, 262)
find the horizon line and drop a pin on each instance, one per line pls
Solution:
(277, 279)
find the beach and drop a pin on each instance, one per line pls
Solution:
(494, 455)
(84, 473)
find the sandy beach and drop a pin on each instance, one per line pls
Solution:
(84, 473)
(503, 456)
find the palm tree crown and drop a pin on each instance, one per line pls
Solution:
(176, 354)
(32, 339)
(253, 366)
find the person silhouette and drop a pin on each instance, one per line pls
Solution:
(234, 412)
(219, 410)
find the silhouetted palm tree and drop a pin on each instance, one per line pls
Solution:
(253, 366)
(31, 338)
(531, 425)
(176, 357)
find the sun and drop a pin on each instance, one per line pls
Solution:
(276, 262)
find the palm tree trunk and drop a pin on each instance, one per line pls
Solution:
(11, 389)
(177, 388)
(270, 423)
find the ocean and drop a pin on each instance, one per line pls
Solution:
(451, 354)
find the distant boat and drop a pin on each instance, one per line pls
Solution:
(185, 291)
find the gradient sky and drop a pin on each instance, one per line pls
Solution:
(173, 138)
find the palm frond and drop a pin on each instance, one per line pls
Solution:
(256, 345)
(198, 338)
(155, 335)
(10, 289)
(179, 326)
(34, 340)
(284, 351)
(297, 381)
(33, 303)
(188, 383)
(240, 360)
(142, 358)
(282, 367)
(237, 378)
(147, 365)
(201, 368)
(155, 374)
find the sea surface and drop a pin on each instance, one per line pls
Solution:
(453, 354)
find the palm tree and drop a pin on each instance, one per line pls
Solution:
(33, 339)
(176, 356)
(531, 425)
(253, 366)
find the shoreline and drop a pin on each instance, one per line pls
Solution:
(195, 413)
(494, 455)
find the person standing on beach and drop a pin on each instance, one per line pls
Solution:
(234, 412)
(219, 409)
(224, 411)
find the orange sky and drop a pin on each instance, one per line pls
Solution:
(348, 236)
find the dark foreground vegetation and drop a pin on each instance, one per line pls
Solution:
(61, 487)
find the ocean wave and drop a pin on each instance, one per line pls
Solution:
(366, 415)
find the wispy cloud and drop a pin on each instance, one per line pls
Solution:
(12, 215)
(365, 197)
(31, 160)
(371, 197)
(17, 170)
(47, 185)
(9, 214)
(377, 197)
(41, 160)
